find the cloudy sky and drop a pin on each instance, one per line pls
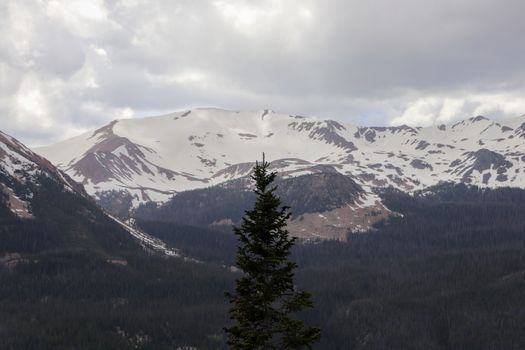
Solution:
(67, 66)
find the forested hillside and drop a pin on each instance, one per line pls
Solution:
(449, 274)
(70, 278)
(324, 206)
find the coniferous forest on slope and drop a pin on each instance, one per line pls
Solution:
(449, 274)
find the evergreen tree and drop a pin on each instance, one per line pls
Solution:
(265, 297)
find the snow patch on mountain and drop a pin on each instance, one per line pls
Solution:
(147, 241)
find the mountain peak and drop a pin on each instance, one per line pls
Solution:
(478, 118)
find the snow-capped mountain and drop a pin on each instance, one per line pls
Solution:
(34, 193)
(151, 159)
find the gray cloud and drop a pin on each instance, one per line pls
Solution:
(66, 66)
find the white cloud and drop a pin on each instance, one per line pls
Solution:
(247, 18)
(430, 111)
(433, 110)
(73, 65)
(80, 17)
(32, 107)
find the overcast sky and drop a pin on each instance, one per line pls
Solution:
(68, 66)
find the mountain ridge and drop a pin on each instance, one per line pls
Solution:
(154, 158)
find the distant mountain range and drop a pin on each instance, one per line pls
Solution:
(135, 161)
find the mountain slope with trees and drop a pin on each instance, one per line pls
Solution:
(324, 206)
(448, 274)
(73, 277)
